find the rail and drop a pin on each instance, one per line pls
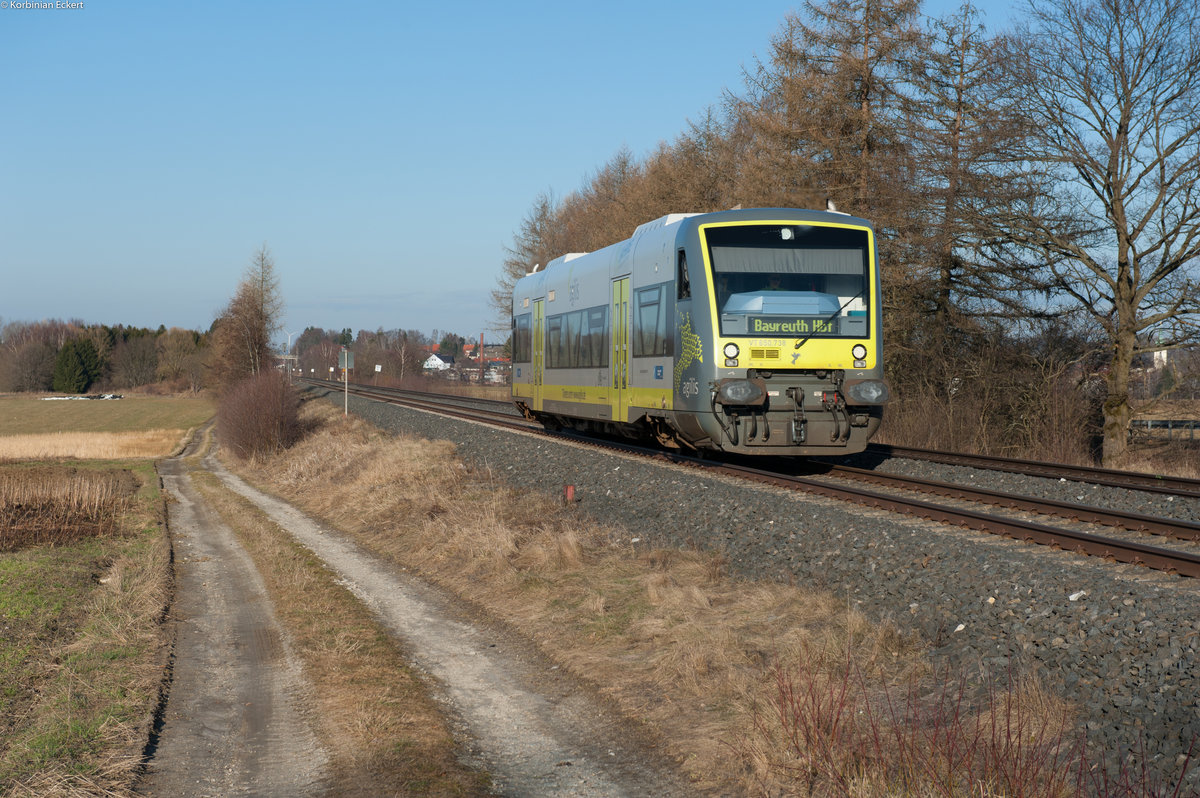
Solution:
(1133, 480)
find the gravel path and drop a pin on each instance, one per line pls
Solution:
(1122, 641)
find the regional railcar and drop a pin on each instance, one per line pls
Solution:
(756, 331)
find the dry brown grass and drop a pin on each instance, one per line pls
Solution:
(56, 505)
(1177, 458)
(695, 655)
(1167, 408)
(449, 387)
(91, 445)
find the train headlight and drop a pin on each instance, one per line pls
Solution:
(859, 351)
(731, 350)
(868, 392)
(741, 392)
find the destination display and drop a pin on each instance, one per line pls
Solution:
(792, 326)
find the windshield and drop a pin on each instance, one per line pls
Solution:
(790, 280)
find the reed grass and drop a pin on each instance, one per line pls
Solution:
(152, 443)
(54, 505)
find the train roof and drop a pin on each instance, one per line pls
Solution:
(749, 214)
(738, 214)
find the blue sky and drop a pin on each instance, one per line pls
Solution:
(385, 152)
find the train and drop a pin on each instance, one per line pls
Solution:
(748, 331)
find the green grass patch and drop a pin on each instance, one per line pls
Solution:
(80, 652)
(22, 415)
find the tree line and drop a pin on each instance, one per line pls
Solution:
(400, 354)
(1035, 194)
(77, 357)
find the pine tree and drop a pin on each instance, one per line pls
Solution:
(966, 125)
(823, 114)
(77, 366)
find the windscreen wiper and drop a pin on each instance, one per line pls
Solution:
(830, 318)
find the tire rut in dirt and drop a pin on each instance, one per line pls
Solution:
(232, 723)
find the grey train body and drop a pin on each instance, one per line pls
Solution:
(755, 331)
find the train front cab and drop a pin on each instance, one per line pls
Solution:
(793, 331)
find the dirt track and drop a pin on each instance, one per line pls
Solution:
(233, 723)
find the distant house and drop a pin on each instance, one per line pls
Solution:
(436, 362)
(494, 353)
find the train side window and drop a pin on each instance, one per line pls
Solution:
(554, 342)
(653, 307)
(598, 333)
(683, 286)
(647, 304)
(578, 339)
(571, 354)
(522, 343)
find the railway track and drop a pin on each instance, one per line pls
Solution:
(1150, 483)
(896, 493)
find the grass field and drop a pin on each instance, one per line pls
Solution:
(23, 415)
(84, 579)
(138, 426)
(81, 649)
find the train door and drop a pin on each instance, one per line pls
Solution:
(539, 351)
(620, 349)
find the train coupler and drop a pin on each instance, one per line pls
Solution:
(799, 422)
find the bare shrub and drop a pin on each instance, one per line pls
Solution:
(259, 416)
(837, 731)
(985, 394)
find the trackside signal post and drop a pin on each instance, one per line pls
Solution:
(346, 362)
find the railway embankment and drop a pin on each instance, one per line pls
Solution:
(1119, 641)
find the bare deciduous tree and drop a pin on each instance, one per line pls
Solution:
(134, 361)
(242, 334)
(1114, 86)
(28, 352)
(175, 348)
(538, 241)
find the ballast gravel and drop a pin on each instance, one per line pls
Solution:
(1121, 641)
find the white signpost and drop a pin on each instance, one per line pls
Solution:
(346, 362)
